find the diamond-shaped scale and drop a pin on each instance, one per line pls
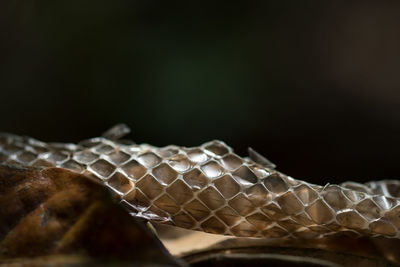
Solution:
(231, 162)
(120, 182)
(290, 204)
(197, 209)
(196, 179)
(227, 186)
(212, 198)
(393, 216)
(197, 155)
(102, 168)
(149, 159)
(216, 149)
(275, 183)
(212, 169)
(369, 209)
(351, 219)
(320, 212)
(150, 186)
(167, 204)
(228, 215)
(164, 174)
(245, 175)
(258, 195)
(85, 156)
(26, 157)
(241, 204)
(75, 166)
(305, 193)
(382, 227)
(182, 219)
(133, 169)
(118, 157)
(335, 198)
(180, 192)
(179, 163)
(259, 220)
(244, 229)
(214, 226)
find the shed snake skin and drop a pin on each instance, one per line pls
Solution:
(210, 188)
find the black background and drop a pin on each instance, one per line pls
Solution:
(312, 85)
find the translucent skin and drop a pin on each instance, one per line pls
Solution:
(209, 188)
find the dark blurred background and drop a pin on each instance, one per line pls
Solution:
(312, 85)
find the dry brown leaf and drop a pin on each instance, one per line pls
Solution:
(55, 216)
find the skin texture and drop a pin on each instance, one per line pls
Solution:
(210, 188)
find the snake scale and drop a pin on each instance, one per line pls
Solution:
(210, 188)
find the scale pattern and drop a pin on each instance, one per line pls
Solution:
(210, 188)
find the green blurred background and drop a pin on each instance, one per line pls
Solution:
(313, 85)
